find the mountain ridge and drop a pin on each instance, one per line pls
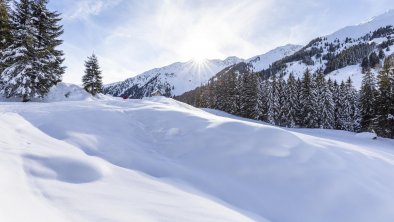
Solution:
(322, 53)
(180, 77)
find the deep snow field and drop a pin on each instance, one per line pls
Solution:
(106, 159)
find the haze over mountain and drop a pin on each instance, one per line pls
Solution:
(178, 78)
(321, 53)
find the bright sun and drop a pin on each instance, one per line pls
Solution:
(199, 47)
(199, 59)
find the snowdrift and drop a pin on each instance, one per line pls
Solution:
(161, 160)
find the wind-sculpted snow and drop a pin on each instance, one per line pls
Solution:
(161, 160)
(63, 169)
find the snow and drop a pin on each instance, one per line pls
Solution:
(263, 61)
(67, 92)
(362, 29)
(186, 76)
(366, 135)
(108, 159)
(354, 72)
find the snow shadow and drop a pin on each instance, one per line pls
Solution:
(63, 169)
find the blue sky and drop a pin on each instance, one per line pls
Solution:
(133, 36)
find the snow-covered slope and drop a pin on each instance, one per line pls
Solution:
(263, 61)
(357, 31)
(181, 77)
(341, 53)
(174, 79)
(161, 160)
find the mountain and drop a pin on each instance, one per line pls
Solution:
(181, 77)
(340, 54)
(263, 61)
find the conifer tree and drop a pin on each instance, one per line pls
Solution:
(327, 108)
(92, 80)
(338, 103)
(282, 103)
(249, 95)
(5, 25)
(273, 100)
(350, 112)
(20, 76)
(368, 104)
(309, 115)
(49, 58)
(5, 30)
(299, 115)
(33, 65)
(384, 123)
(292, 101)
(262, 100)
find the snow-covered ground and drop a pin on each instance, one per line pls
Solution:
(158, 159)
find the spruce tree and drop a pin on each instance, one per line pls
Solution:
(5, 25)
(20, 76)
(283, 108)
(292, 101)
(49, 58)
(298, 101)
(249, 96)
(384, 122)
(309, 113)
(33, 65)
(327, 108)
(262, 100)
(368, 104)
(338, 104)
(320, 83)
(92, 80)
(273, 101)
(350, 113)
(5, 30)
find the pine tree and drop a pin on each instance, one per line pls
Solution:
(374, 60)
(249, 96)
(5, 25)
(49, 58)
(368, 96)
(384, 123)
(273, 101)
(350, 113)
(298, 101)
(92, 80)
(262, 100)
(5, 30)
(327, 108)
(320, 83)
(283, 108)
(309, 115)
(33, 65)
(292, 101)
(338, 103)
(20, 77)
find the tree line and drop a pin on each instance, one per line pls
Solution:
(308, 102)
(30, 61)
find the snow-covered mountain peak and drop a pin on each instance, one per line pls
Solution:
(232, 60)
(357, 31)
(263, 61)
(181, 77)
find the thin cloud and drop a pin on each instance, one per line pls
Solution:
(132, 36)
(83, 9)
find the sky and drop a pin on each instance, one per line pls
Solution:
(133, 36)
